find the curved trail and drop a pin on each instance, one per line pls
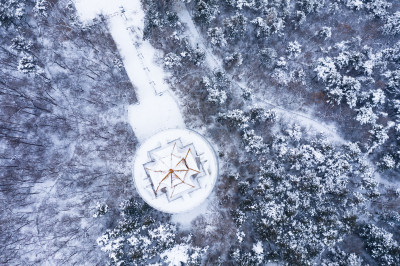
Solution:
(214, 62)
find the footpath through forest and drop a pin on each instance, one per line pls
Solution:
(214, 63)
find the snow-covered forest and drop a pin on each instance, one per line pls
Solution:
(300, 99)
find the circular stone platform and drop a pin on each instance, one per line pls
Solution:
(175, 170)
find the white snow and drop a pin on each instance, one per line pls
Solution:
(157, 109)
(154, 114)
(205, 180)
(176, 255)
(185, 219)
(258, 248)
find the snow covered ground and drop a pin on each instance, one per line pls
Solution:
(157, 109)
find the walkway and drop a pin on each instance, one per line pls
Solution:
(157, 108)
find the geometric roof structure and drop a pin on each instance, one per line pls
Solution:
(175, 170)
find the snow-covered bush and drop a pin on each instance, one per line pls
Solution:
(379, 135)
(189, 54)
(247, 93)
(217, 87)
(205, 11)
(259, 251)
(217, 36)
(11, 11)
(377, 7)
(216, 96)
(41, 7)
(378, 97)
(254, 143)
(281, 63)
(387, 162)
(300, 18)
(365, 115)
(262, 28)
(392, 24)
(183, 254)
(309, 6)
(28, 65)
(281, 76)
(259, 114)
(381, 244)
(235, 118)
(20, 44)
(328, 73)
(349, 89)
(235, 26)
(293, 49)
(171, 60)
(393, 78)
(336, 256)
(294, 132)
(100, 210)
(235, 59)
(268, 56)
(325, 32)
(355, 4)
(118, 64)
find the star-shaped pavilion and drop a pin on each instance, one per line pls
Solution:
(173, 168)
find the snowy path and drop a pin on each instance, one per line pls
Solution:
(157, 109)
(215, 63)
